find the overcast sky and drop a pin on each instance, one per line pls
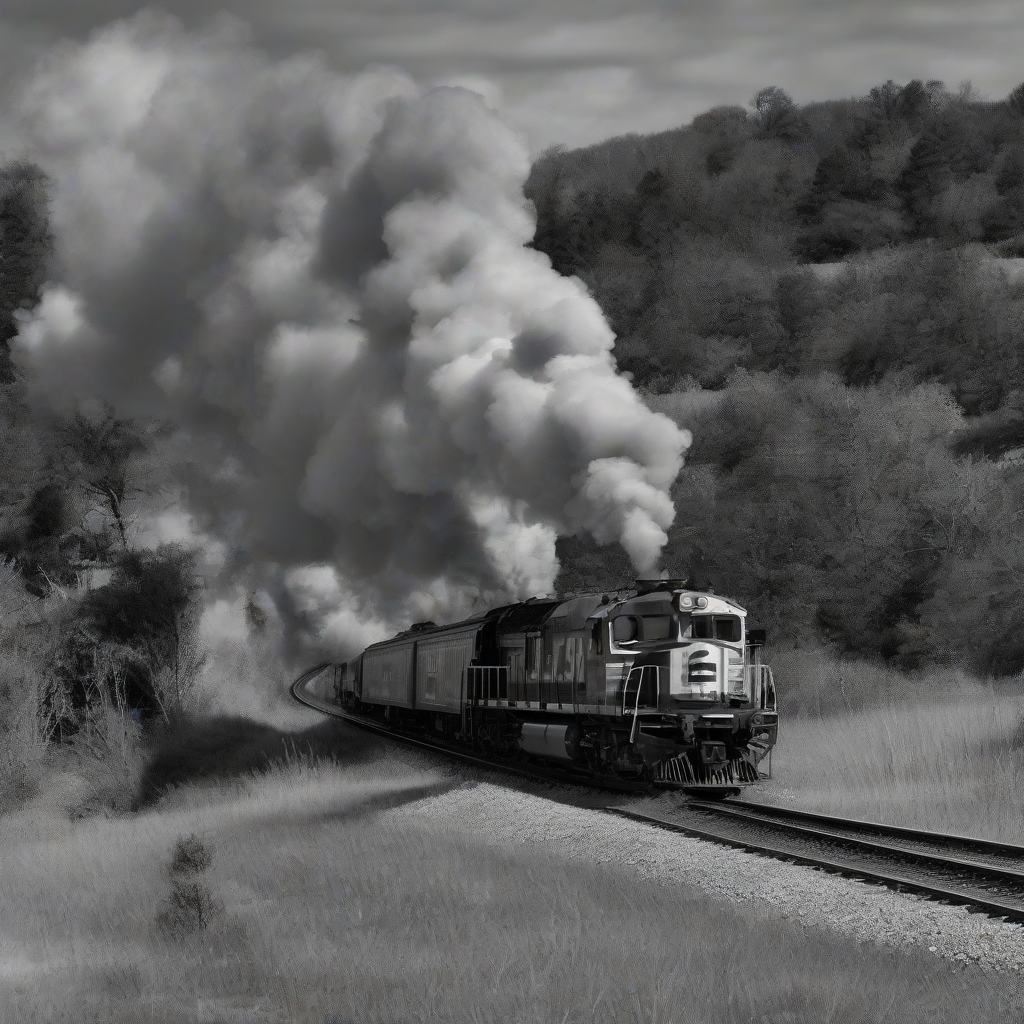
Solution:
(576, 71)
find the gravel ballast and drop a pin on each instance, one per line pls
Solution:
(812, 898)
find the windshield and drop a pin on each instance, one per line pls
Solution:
(715, 627)
(630, 629)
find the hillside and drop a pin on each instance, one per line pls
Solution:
(829, 297)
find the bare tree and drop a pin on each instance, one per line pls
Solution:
(106, 451)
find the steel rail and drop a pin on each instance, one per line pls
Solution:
(975, 845)
(858, 871)
(990, 872)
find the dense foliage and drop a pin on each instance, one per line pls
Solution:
(829, 298)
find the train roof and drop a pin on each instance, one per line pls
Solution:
(518, 618)
(418, 629)
(533, 613)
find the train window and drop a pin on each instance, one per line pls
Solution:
(727, 627)
(624, 629)
(716, 627)
(702, 627)
(658, 627)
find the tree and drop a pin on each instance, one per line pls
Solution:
(885, 100)
(1015, 101)
(727, 129)
(840, 175)
(105, 450)
(130, 645)
(926, 174)
(776, 115)
(914, 102)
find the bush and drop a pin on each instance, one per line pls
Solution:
(191, 906)
(130, 645)
(191, 855)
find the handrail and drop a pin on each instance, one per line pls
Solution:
(656, 669)
(766, 687)
(487, 682)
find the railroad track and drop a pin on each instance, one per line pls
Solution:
(975, 873)
(980, 874)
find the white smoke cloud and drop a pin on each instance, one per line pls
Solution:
(324, 280)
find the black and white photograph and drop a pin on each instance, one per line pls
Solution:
(511, 512)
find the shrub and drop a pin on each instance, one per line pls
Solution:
(191, 906)
(130, 645)
(191, 856)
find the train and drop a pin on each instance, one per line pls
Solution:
(653, 685)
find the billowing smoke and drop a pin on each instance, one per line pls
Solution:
(391, 403)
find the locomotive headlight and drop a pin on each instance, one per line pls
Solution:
(756, 719)
(702, 602)
(685, 601)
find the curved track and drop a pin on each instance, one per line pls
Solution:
(980, 874)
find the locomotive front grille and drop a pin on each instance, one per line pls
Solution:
(680, 771)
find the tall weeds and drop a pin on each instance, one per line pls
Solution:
(935, 750)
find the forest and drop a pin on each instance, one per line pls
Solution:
(830, 297)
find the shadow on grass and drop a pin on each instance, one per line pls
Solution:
(215, 749)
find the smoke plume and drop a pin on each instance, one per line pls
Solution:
(391, 402)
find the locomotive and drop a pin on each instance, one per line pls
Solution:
(658, 684)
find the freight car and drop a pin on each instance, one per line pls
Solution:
(656, 684)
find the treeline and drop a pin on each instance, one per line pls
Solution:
(692, 239)
(68, 492)
(827, 297)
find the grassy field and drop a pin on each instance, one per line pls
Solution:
(939, 751)
(323, 905)
(323, 902)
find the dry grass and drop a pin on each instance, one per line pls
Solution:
(938, 750)
(336, 911)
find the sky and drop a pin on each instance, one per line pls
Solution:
(573, 72)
